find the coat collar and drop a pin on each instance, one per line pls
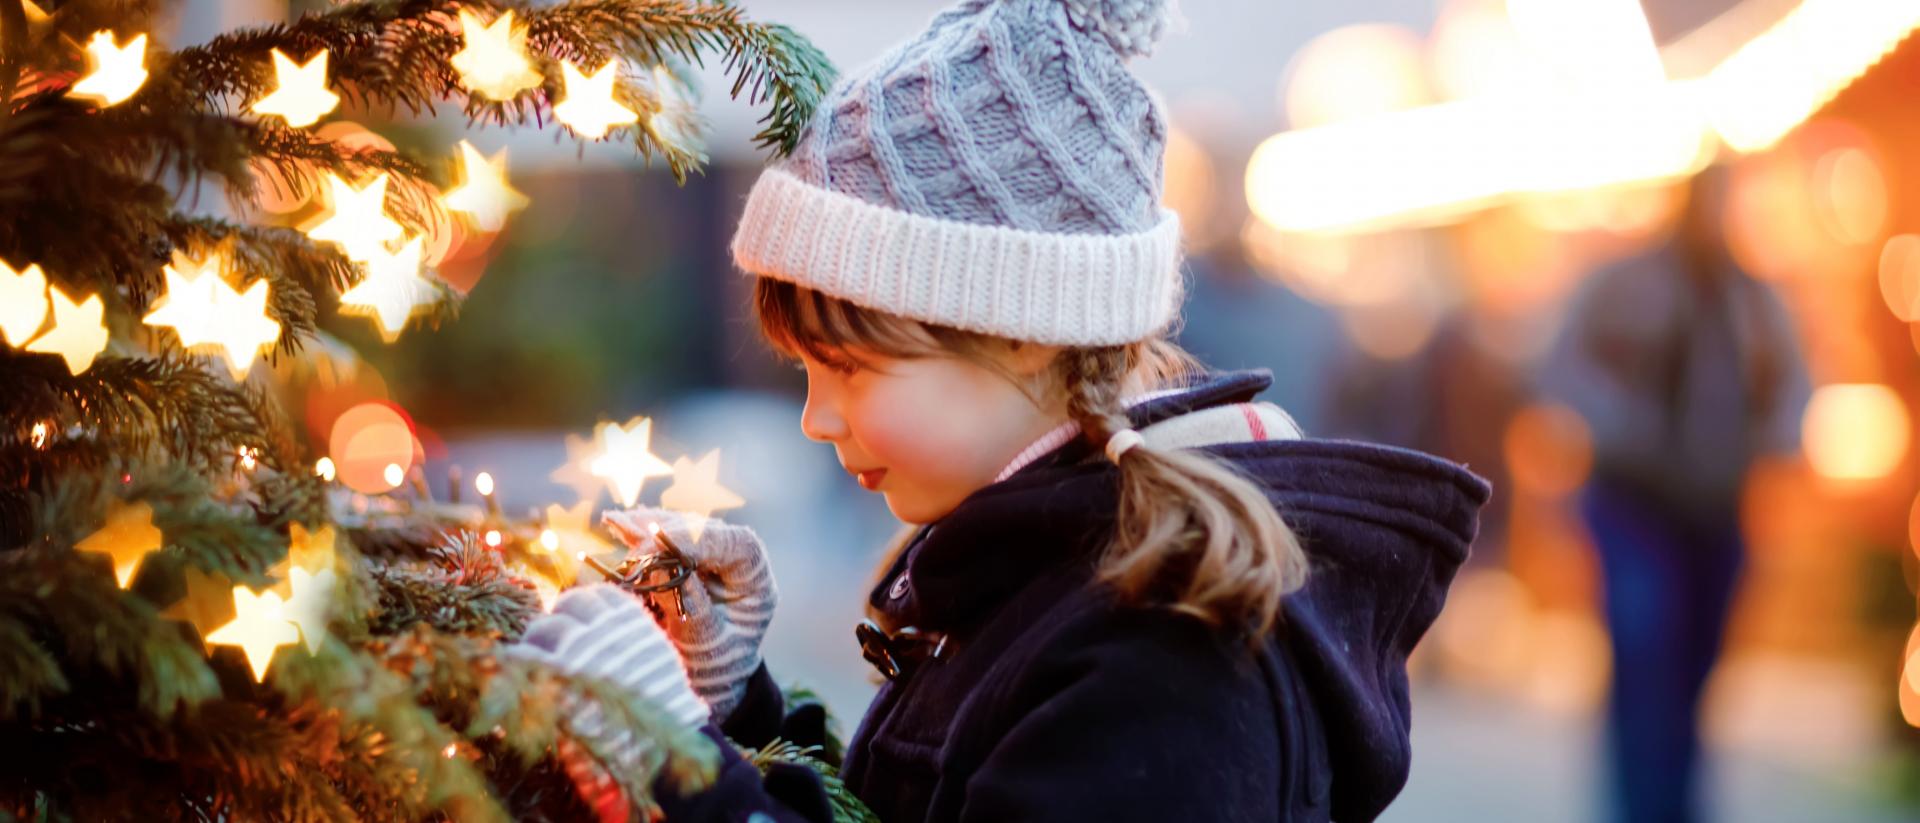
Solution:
(1058, 508)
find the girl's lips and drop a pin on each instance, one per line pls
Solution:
(870, 480)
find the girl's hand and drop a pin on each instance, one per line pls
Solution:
(728, 602)
(601, 631)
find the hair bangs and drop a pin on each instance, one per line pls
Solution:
(798, 321)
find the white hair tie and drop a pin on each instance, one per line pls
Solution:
(1121, 441)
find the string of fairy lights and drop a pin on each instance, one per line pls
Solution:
(209, 315)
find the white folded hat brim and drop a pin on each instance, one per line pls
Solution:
(1043, 287)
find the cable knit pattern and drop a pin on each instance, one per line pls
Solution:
(1000, 172)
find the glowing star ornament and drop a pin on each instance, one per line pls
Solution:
(357, 220)
(572, 529)
(244, 328)
(127, 538)
(205, 312)
(259, 627)
(623, 459)
(310, 550)
(589, 108)
(187, 307)
(493, 60)
(207, 604)
(574, 474)
(116, 71)
(301, 95)
(392, 290)
(484, 193)
(308, 607)
(696, 491)
(23, 302)
(78, 335)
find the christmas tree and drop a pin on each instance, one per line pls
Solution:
(197, 619)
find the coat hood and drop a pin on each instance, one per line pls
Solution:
(1385, 529)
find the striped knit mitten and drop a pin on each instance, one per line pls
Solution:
(602, 631)
(727, 612)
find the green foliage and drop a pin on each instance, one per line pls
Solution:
(846, 807)
(466, 589)
(110, 707)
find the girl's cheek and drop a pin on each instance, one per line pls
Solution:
(893, 426)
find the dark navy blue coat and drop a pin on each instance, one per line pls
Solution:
(1051, 702)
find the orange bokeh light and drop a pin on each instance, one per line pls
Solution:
(1816, 205)
(1549, 449)
(1910, 680)
(1913, 526)
(368, 438)
(1900, 276)
(1855, 431)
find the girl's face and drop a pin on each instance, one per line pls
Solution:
(926, 432)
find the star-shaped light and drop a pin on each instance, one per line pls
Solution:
(623, 459)
(589, 108)
(127, 538)
(78, 334)
(207, 604)
(188, 304)
(677, 121)
(117, 71)
(357, 221)
(207, 313)
(494, 60)
(575, 474)
(310, 550)
(484, 192)
(245, 328)
(572, 527)
(308, 607)
(392, 290)
(300, 96)
(696, 491)
(23, 302)
(259, 626)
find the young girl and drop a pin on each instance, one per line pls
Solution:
(1129, 591)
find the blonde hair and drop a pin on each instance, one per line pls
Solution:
(1193, 533)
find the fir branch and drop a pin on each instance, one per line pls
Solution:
(28, 672)
(464, 589)
(251, 765)
(99, 635)
(318, 268)
(419, 779)
(199, 529)
(680, 755)
(847, 807)
(787, 69)
(161, 409)
(416, 541)
(396, 54)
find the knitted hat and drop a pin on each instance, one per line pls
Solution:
(1000, 173)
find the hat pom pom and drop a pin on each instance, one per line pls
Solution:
(1130, 26)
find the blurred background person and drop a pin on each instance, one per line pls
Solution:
(1686, 369)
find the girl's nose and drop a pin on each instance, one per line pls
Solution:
(820, 422)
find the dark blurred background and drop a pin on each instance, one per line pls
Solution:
(1648, 267)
